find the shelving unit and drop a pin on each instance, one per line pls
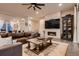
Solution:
(67, 27)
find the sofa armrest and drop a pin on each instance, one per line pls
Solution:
(11, 50)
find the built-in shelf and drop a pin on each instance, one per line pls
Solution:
(67, 27)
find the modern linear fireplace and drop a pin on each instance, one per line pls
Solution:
(52, 33)
(55, 33)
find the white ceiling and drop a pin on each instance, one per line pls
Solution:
(16, 9)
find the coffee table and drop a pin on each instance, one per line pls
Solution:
(39, 43)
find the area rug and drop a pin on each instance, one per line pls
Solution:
(56, 49)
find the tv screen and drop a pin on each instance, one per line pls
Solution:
(53, 23)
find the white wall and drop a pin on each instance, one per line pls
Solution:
(67, 12)
(53, 16)
(41, 27)
(77, 40)
(35, 25)
(75, 25)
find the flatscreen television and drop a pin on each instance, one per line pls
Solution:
(52, 24)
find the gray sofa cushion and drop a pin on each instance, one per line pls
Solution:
(11, 50)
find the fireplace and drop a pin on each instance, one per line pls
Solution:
(55, 33)
(52, 33)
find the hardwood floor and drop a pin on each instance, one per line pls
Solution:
(73, 48)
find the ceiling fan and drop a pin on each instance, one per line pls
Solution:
(34, 5)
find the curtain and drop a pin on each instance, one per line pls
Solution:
(8, 27)
(1, 24)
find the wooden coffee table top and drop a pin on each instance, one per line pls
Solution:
(38, 41)
(35, 41)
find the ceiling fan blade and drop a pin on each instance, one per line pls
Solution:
(41, 4)
(29, 7)
(34, 8)
(38, 7)
(25, 4)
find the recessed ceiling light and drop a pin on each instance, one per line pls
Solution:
(37, 12)
(60, 4)
(22, 18)
(31, 17)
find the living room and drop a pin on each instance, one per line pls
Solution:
(39, 29)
